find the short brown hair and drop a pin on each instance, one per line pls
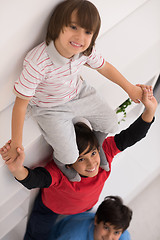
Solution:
(113, 211)
(87, 17)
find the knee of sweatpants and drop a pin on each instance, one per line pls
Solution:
(114, 125)
(107, 124)
(68, 154)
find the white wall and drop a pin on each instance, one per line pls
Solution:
(23, 26)
(129, 39)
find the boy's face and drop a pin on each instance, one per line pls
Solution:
(88, 163)
(73, 39)
(106, 231)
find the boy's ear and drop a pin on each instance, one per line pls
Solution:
(95, 221)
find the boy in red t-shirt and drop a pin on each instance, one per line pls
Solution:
(58, 195)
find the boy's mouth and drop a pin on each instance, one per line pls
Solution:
(91, 170)
(75, 44)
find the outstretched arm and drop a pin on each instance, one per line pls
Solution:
(150, 105)
(138, 130)
(18, 116)
(15, 167)
(38, 177)
(111, 73)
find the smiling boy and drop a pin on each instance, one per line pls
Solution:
(58, 195)
(110, 222)
(52, 85)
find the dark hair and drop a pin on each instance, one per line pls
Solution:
(85, 137)
(87, 17)
(113, 211)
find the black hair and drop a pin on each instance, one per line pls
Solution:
(113, 211)
(85, 138)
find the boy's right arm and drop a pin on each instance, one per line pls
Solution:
(18, 116)
(38, 177)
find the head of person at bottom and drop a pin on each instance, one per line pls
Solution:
(88, 162)
(112, 219)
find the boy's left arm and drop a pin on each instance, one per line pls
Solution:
(138, 130)
(111, 73)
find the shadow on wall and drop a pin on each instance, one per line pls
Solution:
(156, 90)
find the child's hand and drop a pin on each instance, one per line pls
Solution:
(148, 99)
(15, 166)
(9, 152)
(150, 104)
(149, 89)
(135, 94)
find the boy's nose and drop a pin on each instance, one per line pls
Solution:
(80, 34)
(109, 236)
(90, 163)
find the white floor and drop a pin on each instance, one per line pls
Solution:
(146, 213)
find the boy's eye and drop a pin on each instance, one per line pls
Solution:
(117, 232)
(73, 27)
(94, 153)
(80, 159)
(88, 32)
(106, 227)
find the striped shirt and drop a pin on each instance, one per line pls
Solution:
(50, 79)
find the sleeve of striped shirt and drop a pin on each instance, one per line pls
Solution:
(29, 79)
(95, 60)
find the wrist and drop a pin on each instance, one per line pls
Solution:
(148, 115)
(16, 144)
(128, 88)
(21, 173)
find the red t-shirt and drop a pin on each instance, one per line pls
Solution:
(65, 197)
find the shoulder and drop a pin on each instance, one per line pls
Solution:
(37, 55)
(95, 60)
(55, 172)
(77, 226)
(109, 145)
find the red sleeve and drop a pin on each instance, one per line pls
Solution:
(55, 172)
(110, 149)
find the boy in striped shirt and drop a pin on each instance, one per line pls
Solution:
(51, 84)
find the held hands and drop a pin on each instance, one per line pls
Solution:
(148, 99)
(136, 92)
(9, 151)
(149, 102)
(15, 166)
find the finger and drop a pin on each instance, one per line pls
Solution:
(148, 87)
(10, 160)
(136, 101)
(145, 94)
(20, 152)
(3, 149)
(7, 146)
(6, 158)
(4, 154)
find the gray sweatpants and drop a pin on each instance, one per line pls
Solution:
(57, 126)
